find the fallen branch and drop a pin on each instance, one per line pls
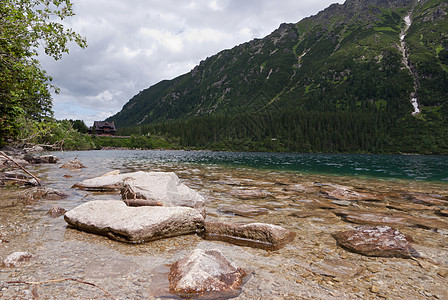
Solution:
(141, 202)
(21, 167)
(61, 280)
(17, 180)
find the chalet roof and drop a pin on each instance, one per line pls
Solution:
(98, 125)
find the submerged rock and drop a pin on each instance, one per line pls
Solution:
(249, 194)
(56, 212)
(43, 159)
(16, 258)
(205, 273)
(337, 268)
(73, 165)
(134, 224)
(44, 193)
(257, 235)
(390, 219)
(382, 241)
(443, 213)
(244, 210)
(375, 218)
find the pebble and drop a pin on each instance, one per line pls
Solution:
(443, 273)
(373, 269)
(374, 289)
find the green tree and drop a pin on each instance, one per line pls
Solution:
(25, 27)
(80, 126)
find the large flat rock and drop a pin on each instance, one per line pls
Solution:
(163, 188)
(106, 182)
(256, 235)
(134, 224)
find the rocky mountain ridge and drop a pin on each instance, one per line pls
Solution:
(360, 56)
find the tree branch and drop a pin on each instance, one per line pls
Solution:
(61, 280)
(21, 167)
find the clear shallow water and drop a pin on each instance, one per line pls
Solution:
(298, 190)
(410, 167)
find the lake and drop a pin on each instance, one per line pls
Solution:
(315, 195)
(412, 167)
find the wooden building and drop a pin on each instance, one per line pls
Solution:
(103, 128)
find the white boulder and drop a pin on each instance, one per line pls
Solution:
(134, 224)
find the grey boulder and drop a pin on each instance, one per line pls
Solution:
(134, 224)
(160, 188)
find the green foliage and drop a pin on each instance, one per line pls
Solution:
(65, 136)
(132, 142)
(26, 25)
(79, 125)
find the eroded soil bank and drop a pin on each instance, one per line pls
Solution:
(313, 266)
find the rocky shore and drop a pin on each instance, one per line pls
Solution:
(276, 235)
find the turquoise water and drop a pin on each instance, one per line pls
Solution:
(410, 167)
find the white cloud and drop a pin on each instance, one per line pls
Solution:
(137, 43)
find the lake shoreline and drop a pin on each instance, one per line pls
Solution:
(314, 206)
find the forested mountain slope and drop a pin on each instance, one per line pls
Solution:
(347, 77)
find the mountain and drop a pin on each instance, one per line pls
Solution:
(371, 68)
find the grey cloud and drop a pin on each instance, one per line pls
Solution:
(134, 44)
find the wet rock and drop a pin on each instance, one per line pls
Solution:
(43, 159)
(375, 218)
(205, 273)
(426, 199)
(134, 224)
(257, 235)
(411, 207)
(443, 272)
(45, 193)
(337, 268)
(340, 192)
(443, 213)
(342, 202)
(430, 223)
(15, 178)
(318, 203)
(56, 212)
(249, 194)
(16, 258)
(73, 165)
(244, 210)
(381, 241)
(34, 148)
(390, 219)
(14, 175)
(11, 151)
(324, 216)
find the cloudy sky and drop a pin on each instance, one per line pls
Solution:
(133, 44)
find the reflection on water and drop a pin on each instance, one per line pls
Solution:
(298, 190)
